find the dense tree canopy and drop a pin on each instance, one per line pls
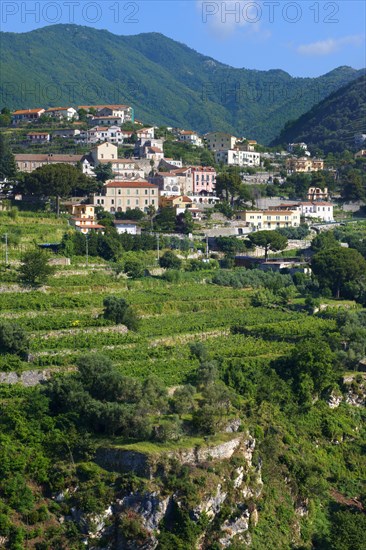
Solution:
(8, 167)
(35, 269)
(120, 312)
(57, 180)
(269, 240)
(336, 267)
(13, 338)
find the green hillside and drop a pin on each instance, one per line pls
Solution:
(165, 81)
(332, 124)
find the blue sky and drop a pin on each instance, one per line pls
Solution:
(303, 38)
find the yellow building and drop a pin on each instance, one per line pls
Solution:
(270, 219)
(83, 218)
(120, 196)
(175, 202)
(304, 164)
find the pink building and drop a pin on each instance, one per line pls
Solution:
(203, 180)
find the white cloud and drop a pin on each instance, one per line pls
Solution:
(225, 17)
(331, 45)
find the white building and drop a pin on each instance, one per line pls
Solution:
(188, 136)
(317, 210)
(67, 113)
(124, 113)
(237, 157)
(127, 226)
(125, 169)
(292, 146)
(220, 141)
(167, 182)
(312, 210)
(112, 134)
(171, 163)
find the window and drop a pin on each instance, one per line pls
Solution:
(146, 201)
(152, 192)
(128, 201)
(119, 191)
(153, 201)
(137, 191)
(146, 191)
(137, 202)
(269, 218)
(112, 201)
(128, 191)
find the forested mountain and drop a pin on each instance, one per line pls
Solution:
(332, 124)
(165, 81)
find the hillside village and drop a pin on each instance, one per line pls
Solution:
(146, 179)
(182, 294)
(182, 337)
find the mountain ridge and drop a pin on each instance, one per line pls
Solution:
(333, 122)
(166, 81)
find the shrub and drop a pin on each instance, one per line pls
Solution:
(13, 338)
(172, 275)
(134, 268)
(118, 310)
(170, 261)
(35, 269)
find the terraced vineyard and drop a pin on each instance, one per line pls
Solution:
(65, 321)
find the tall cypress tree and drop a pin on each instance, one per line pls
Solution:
(8, 168)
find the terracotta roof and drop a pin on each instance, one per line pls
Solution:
(38, 134)
(49, 158)
(316, 203)
(276, 212)
(202, 168)
(131, 184)
(187, 133)
(92, 226)
(173, 198)
(103, 107)
(105, 117)
(220, 134)
(117, 161)
(178, 171)
(27, 111)
(58, 109)
(99, 128)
